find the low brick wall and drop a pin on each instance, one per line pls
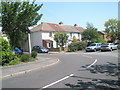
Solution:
(53, 49)
(57, 49)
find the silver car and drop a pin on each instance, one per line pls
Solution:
(93, 47)
(108, 46)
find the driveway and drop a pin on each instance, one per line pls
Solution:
(75, 70)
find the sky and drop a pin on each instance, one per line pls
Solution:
(79, 13)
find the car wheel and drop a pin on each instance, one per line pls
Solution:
(101, 50)
(94, 50)
(111, 49)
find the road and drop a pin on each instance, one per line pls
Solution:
(75, 70)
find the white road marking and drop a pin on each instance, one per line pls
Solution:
(58, 81)
(92, 63)
(87, 56)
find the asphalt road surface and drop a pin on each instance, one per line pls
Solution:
(75, 70)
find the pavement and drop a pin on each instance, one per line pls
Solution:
(42, 62)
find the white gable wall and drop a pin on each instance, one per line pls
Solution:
(36, 38)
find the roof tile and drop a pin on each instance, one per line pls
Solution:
(56, 27)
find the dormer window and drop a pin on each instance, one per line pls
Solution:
(50, 34)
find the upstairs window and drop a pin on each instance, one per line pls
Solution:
(78, 35)
(50, 34)
(70, 35)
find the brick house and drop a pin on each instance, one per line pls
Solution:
(104, 35)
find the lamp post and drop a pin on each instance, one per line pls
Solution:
(29, 43)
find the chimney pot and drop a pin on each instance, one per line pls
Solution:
(60, 23)
(75, 25)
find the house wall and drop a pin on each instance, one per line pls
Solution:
(36, 38)
(46, 36)
(71, 35)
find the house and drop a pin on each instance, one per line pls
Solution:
(104, 35)
(4, 36)
(43, 34)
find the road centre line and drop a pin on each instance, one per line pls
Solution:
(67, 76)
(57, 81)
(87, 56)
(92, 63)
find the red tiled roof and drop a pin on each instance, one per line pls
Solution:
(56, 27)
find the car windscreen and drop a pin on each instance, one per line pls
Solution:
(105, 44)
(42, 47)
(92, 44)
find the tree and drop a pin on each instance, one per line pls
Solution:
(17, 17)
(61, 39)
(91, 34)
(111, 28)
(74, 39)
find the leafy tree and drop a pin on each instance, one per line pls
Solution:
(91, 34)
(61, 39)
(111, 28)
(16, 18)
(74, 39)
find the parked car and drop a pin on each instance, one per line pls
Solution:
(93, 47)
(40, 49)
(108, 46)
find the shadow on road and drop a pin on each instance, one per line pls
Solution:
(108, 69)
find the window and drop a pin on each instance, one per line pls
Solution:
(49, 44)
(78, 35)
(50, 34)
(70, 35)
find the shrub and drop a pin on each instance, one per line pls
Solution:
(5, 52)
(25, 57)
(33, 54)
(119, 46)
(73, 46)
(82, 45)
(32, 59)
(15, 61)
(76, 46)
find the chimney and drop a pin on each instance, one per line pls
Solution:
(60, 23)
(75, 25)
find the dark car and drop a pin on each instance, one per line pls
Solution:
(40, 49)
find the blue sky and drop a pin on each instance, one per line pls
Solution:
(80, 13)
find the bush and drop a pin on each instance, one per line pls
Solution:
(119, 46)
(33, 54)
(5, 52)
(15, 61)
(25, 57)
(76, 46)
(73, 46)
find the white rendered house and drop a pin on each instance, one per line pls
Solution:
(43, 34)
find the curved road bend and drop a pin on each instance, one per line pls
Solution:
(71, 68)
